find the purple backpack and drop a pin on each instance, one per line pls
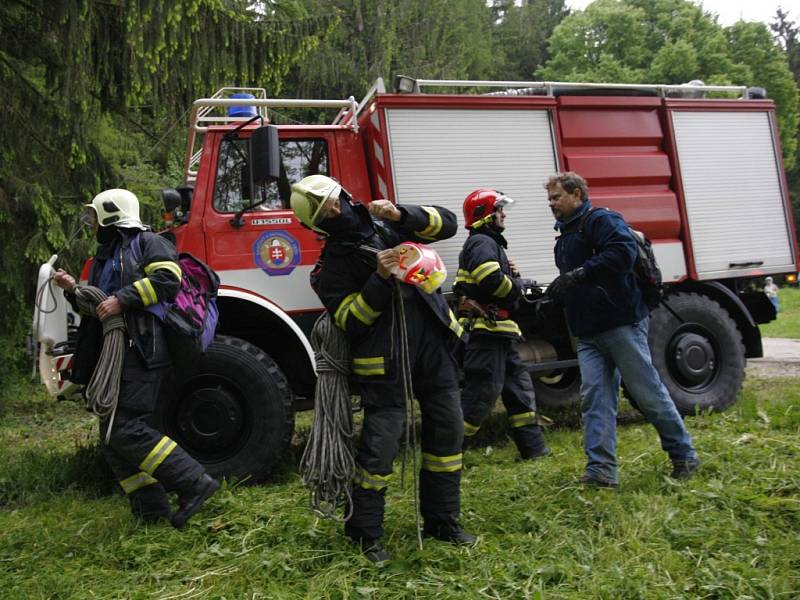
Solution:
(191, 318)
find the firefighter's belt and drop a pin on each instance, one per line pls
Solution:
(470, 308)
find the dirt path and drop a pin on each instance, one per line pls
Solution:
(781, 359)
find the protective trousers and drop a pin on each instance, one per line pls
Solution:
(435, 386)
(146, 462)
(492, 368)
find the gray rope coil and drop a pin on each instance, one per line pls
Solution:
(328, 463)
(102, 392)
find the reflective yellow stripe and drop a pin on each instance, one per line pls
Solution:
(340, 317)
(146, 291)
(363, 311)
(505, 326)
(482, 271)
(136, 482)
(522, 419)
(372, 365)
(455, 326)
(167, 265)
(464, 276)
(470, 429)
(434, 224)
(370, 481)
(158, 454)
(504, 288)
(441, 464)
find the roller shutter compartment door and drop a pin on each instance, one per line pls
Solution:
(733, 192)
(438, 156)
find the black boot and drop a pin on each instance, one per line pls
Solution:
(449, 531)
(150, 504)
(190, 501)
(530, 442)
(374, 550)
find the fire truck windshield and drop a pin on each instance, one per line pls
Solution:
(232, 192)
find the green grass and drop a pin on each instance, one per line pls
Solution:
(787, 325)
(732, 532)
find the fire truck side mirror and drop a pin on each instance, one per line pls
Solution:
(265, 154)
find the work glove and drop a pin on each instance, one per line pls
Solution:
(562, 283)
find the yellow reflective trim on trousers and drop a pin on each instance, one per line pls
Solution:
(470, 429)
(370, 481)
(454, 325)
(158, 454)
(442, 464)
(371, 365)
(363, 311)
(505, 326)
(146, 291)
(340, 317)
(482, 271)
(434, 224)
(136, 482)
(464, 276)
(504, 288)
(166, 265)
(522, 419)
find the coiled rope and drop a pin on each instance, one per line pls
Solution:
(102, 392)
(328, 462)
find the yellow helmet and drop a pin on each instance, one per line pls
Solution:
(309, 195)
(117, 207)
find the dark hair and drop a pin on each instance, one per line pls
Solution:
(570, 181)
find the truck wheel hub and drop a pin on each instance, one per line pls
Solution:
(693, 357)
(210, 418)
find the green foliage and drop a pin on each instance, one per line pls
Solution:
(672, 41)
(430, 39)
(729, 533)
(521, 35)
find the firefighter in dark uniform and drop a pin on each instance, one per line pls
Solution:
(147, 463)
(360, 298)
(489, 287)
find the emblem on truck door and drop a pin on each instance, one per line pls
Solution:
(276, 252)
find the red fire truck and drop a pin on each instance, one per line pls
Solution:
(702, 177)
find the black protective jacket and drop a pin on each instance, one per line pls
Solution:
(155, 277)
(360, 300)
(484, 275)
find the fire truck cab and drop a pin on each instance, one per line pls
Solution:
(702, 177)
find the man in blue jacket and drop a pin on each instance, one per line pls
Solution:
(595, 255)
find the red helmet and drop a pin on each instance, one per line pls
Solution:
(479, 206)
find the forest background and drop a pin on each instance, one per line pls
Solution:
(96, 93)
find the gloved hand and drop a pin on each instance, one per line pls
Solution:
(562, 283)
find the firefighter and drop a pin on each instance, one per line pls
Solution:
(489, 287)
(146, 462)
(355, 286)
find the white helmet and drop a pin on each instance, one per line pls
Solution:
(117, 207)
(308, 197)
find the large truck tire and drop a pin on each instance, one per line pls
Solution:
(558, 392)
(700, 356)
(232, 410)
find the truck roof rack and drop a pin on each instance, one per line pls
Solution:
(214, 111)
(693, 89)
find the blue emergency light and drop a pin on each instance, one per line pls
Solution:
(242, 111)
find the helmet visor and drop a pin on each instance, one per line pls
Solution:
(503, 201)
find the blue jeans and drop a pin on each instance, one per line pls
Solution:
(603, 358)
